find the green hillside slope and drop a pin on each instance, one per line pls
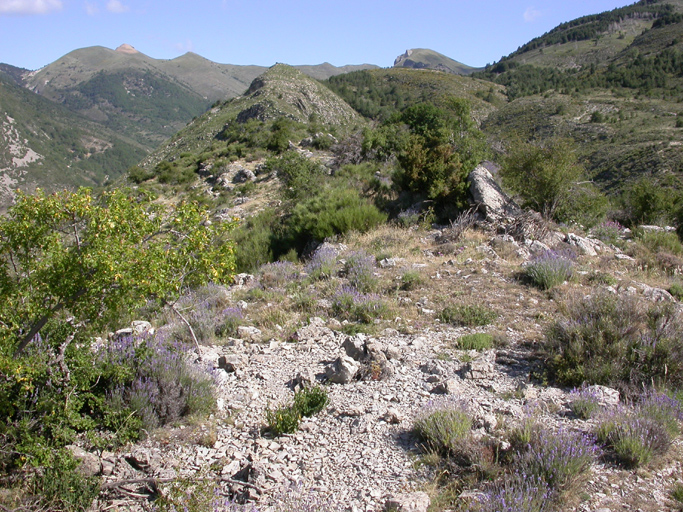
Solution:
(44, 144)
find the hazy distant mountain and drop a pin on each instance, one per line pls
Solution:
(420, 58)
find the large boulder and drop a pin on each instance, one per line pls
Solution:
(489, 197)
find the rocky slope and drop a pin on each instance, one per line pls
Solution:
(360, 451)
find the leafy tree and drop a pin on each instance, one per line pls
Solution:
(444, 146)
(543, 176)
(88, 258)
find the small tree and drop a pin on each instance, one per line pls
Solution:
(543, 176)
(86, 259)
(444, 146)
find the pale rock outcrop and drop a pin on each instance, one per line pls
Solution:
(489, 197)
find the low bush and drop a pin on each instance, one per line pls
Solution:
(633, 438)
(676, 492)
(468, 315)
(517, 492)
(350, 304)
(616, 341)
(60, 486)
(322, 264)
(609, 232)
(360, 271)
(311, 400)
(162, 386)
(676, 290)
(278, 274)
(443, 427)
(557, 458)
(327, 212)
(660, 241)
(478, 341)
(584, 402)
(307, 402)
(549, 269)
(228, 321)
(410, 280)
(283, 420)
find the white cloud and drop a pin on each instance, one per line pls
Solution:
(29, 6)
(91, 9)
(116, 6)
(531, 14)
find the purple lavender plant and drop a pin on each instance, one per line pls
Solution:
(360, 271)
(517, 493)
(558, 458)
(350, 304)
(228, 321)
(634, 439)
(443, 426)
(609, 232)
(662, 408)
(584, 402)
(278, 274)
(323, 263)
(549, 269)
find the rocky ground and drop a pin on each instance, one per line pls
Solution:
(359, 451)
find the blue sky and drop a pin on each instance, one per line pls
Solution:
(34, 33)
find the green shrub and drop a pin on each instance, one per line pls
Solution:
(549, 269)
(478, 341)
(468, 315)
(329, 212)
(676, 492)
(311, 400)
(601, 278)
(442, 428)
(616, 341)
(544, 176)
(676, 290)
(61, 487)
(307, 402)
(660, 241)
(283, 420)
(138, 175)
(410, 280)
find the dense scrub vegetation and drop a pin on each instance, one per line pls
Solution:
(72, 265)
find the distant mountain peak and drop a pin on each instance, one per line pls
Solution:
(422, 58)
(126, 48)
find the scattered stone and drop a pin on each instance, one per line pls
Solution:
(343, 370)
(249, 333)
(243, 279)
(606, 396)
(585, 245)
(392, 416)
(89, 462)
(481, 368)
(411, 502)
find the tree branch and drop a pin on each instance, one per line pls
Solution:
(194, 338)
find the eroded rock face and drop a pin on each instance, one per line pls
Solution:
(487, 195)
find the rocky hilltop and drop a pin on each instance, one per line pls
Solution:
(421, 58)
